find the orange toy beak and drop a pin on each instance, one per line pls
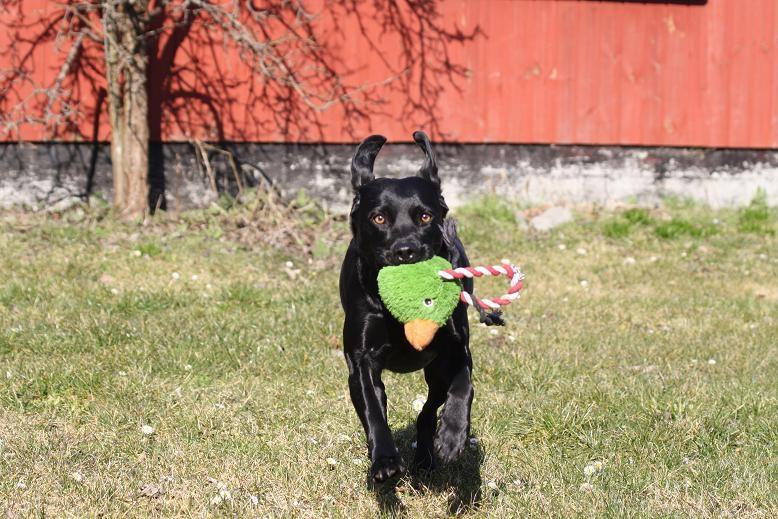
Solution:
(420, 332)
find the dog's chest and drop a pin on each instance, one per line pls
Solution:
(402, 358)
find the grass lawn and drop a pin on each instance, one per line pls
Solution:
(184, 368)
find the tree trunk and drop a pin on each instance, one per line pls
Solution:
(126, 71)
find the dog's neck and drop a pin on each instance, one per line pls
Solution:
(368, 280)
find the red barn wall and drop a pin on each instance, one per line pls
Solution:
(546, 71)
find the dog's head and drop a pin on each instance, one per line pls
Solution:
(396, 221)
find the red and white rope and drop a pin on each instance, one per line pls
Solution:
(506, 269)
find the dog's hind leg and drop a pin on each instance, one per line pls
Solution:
(427, 421)
(454, 427)
(448, 378)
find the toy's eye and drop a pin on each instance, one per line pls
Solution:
(379, 219)
(429, 302)
(425, 218)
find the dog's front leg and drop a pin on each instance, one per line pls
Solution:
(369, 399)
(362, 348)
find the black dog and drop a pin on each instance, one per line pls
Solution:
(396, 221)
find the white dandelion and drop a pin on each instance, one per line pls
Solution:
(593, 467)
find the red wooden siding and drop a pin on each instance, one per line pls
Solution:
(545, 71)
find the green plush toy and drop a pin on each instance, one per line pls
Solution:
(423, 295)
(417, 296)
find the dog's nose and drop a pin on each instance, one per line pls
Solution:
(405, 253)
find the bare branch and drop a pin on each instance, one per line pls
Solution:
(297, 71)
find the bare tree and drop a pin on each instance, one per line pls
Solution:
(125, 29)
(146, 56)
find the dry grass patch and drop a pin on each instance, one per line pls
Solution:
(636, 376)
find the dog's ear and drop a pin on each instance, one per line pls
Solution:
(429, 169)
(443, 206)
(364, 157)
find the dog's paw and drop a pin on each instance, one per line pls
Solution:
(423, 461)
(450, 442)
(386, 467)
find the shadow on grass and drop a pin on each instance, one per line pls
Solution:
(462, 478)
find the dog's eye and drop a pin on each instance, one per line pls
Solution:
(379, 219)
(425, 218)
(429, 302)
